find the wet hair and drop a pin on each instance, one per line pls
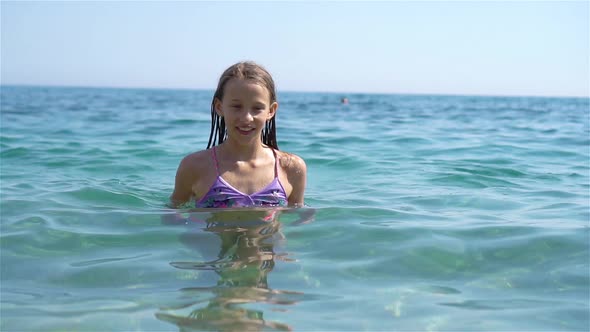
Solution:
(252, 72)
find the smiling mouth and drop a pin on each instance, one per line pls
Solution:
(245, 131)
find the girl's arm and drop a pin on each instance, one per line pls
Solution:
(306, 215)
(182, 193)
(297, 175)
(185, 177)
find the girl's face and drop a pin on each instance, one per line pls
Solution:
(246, 107)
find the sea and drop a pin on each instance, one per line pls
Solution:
(422, 213)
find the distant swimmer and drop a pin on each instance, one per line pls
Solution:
(344, 101)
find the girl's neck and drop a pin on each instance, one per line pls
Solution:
(242, 152)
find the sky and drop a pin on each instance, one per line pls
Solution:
(520, 48)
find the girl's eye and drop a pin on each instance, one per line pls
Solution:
(235, 106)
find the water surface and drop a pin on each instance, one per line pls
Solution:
(431, 213)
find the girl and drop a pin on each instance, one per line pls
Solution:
(242, 165)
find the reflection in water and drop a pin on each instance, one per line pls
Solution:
(246, 240)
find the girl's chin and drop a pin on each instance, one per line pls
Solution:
(245, 139)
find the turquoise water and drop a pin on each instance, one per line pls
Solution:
(431, 213)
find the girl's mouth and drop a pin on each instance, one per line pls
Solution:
(245, 131)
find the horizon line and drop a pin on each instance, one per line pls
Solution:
(342, 93)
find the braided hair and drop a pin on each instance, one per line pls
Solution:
(250, 71)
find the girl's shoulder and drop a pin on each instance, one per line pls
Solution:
(196, 161)
(291, 163)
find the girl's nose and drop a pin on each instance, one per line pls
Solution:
(247, 116)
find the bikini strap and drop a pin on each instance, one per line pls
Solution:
(214, 155)
(276, 163)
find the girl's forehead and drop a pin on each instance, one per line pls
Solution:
(237, 86)
(242, 83)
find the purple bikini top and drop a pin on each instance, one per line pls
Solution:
(223, 195)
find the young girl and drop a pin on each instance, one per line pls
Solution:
(242, 165)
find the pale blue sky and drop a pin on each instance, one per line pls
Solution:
(481, 48)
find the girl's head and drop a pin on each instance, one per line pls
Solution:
(248, 73)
